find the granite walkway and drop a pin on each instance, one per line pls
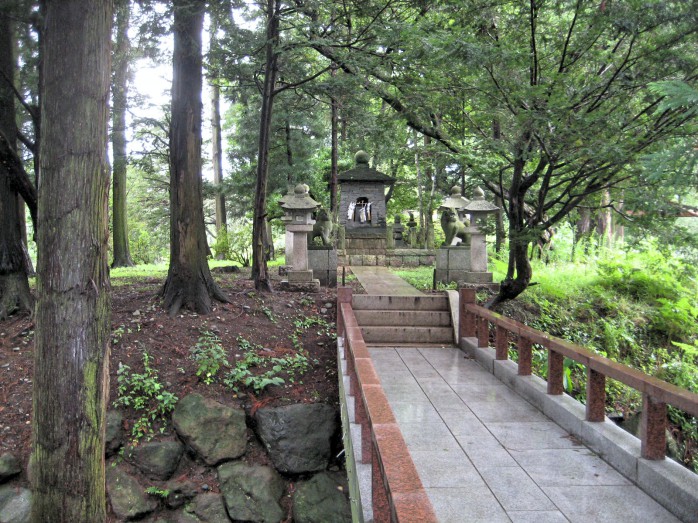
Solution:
(381, 282)
(483, 453)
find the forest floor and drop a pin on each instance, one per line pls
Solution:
(276, 325)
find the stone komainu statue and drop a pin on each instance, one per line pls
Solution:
(453, 228)
(322, 228)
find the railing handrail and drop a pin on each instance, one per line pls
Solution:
(397, 491)
(676, 396)
(657, 393)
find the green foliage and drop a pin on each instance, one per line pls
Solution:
(240, 242)
(639, 309)
(221, 247)
(157, 491)
(258, 372)
(209, 356)
(144, 393)
(268, 313)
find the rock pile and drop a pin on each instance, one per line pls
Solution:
(298, 442)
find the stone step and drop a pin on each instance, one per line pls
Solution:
(403, 303)
(398, 335)
(408, 318)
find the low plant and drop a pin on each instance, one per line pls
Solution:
(209, 356)
(268, 313)
(144, 393)
(157, 491)
(258, 372)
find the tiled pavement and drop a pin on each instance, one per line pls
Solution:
(380, 281)
(484, 454)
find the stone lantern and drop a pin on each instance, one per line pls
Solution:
(299, 221)
(478, 209)
(466, 262)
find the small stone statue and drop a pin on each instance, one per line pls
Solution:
(453, 228)
(322, 228)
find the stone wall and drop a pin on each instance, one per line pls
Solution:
(351, 191)
(323, 262)
(391, 258)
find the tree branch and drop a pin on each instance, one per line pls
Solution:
(19, 179)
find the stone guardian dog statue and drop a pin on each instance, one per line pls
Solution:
(453, 228)
(322, 228)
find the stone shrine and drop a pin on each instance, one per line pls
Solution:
(362, 209)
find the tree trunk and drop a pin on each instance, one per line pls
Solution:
(582, 231)
(334, 154)
(604, 223)
(217, 145)
(14, 284)
(430, 175)
(71, 364)
(418, 169)
(260, 274)
(499, 230)
(122, 253)
(519, 270)
(189, 283)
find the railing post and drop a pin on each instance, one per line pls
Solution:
(379, 493)
(466, 320)
(653, 428)
(524, 346)
(555, 372)
(343, 296)
(483, 332)
(501, 343)
(596, 395)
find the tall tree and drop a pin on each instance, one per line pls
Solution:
(262, 280)
(73, 308)
(214, 67)
(14, 284)
(122, 58)
(217, 146)
(189, 282)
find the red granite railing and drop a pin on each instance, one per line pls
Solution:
(474, 322)
(398, 493)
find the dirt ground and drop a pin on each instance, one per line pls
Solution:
(139, 324)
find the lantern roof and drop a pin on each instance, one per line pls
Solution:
(285, 197)
(455, 200)
(300, 200)
(479, 204)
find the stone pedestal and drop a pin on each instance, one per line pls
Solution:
(341, 238)
(301, 277)
(323, 263)
(389, 237)
(288, 247)
(461, 264)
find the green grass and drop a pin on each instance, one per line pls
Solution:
(121, 276)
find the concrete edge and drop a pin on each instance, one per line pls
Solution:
(396, 487)
(667, 482)
(455, 316)
(359, 513)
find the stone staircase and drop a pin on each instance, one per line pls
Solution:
(404, 320)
